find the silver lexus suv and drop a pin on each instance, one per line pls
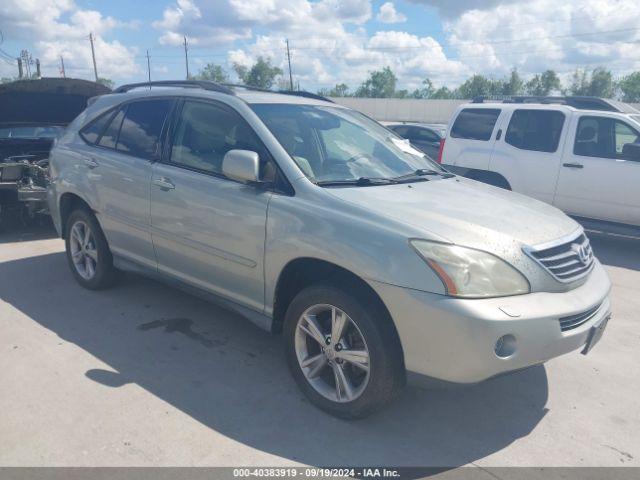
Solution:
(316, 222)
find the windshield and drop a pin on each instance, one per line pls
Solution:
(47, 131)
(337, 144)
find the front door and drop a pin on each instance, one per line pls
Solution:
(208, 230)
(596, 180)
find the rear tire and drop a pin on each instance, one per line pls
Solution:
(88, 253)
(358, 374)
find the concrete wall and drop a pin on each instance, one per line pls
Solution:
(403, 109)
(407, 109)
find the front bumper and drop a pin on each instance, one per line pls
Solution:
(453, 339)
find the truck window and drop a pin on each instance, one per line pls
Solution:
(537, 130)
(475, 123)
(602, 137)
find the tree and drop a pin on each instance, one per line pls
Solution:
(630, 88)
(513, 86)
(340, 90)
(443, 93)
(262, 74)
(479, 86)
(8, 79)
(107, 82)
(426, 91)
(597, 83)
(543, 84)
(601, 83)
(214, 73)
(380, 84)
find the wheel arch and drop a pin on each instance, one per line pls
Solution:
(303, 272)
(67, 204)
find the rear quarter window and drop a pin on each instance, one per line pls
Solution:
(475, 123)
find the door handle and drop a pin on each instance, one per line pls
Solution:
(91, 162)
(164, 183)
(573, 165)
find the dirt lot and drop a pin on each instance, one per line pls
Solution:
(146, 375)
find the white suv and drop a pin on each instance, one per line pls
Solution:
(581, 155)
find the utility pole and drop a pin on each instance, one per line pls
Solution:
(149, 69)
(62, 72)
(186, 56)
(93, 55)
(20, 72)
(289, 61)
(38, 74)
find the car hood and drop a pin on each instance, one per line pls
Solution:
(53, 101)
(464, 212)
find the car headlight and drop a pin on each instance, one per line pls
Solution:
(470, 273)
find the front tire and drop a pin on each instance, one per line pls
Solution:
(342, 351)
(88, 253)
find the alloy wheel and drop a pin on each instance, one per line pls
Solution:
(332, 353)
(84, 253)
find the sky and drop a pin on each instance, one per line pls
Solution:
(331, 41)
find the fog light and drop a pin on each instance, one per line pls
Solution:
(505, 346)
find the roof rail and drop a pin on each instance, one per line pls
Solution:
(579, 102)
(203, 84)
(298, 93)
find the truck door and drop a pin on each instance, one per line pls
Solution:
(596, 179)
(529, 151)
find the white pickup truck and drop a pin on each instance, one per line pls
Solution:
(581, 154)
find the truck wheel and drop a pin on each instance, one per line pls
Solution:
(88, 253)
(344, 354)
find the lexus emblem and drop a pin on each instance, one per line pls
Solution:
(582, 252)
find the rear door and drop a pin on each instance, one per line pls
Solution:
(119, 168)
(471, 138)
(529, 151)
(596, 180)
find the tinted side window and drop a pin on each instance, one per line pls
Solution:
(91, 133)
(595, 137)
(475, 123)
(142, 126)
(110, 135)
(400, 130)
(424, 134)
(537, 130)
(206, 132)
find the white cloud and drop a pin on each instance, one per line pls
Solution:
(60, 27)
(389, 14)
(536, 35)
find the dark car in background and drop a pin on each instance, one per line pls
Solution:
(33, 113)
(425, 136)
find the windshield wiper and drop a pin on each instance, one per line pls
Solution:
(423, 172)
(358, 182)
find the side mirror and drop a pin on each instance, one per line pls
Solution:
(241, 165)
(631, 151)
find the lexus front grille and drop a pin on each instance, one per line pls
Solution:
(566, 260)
